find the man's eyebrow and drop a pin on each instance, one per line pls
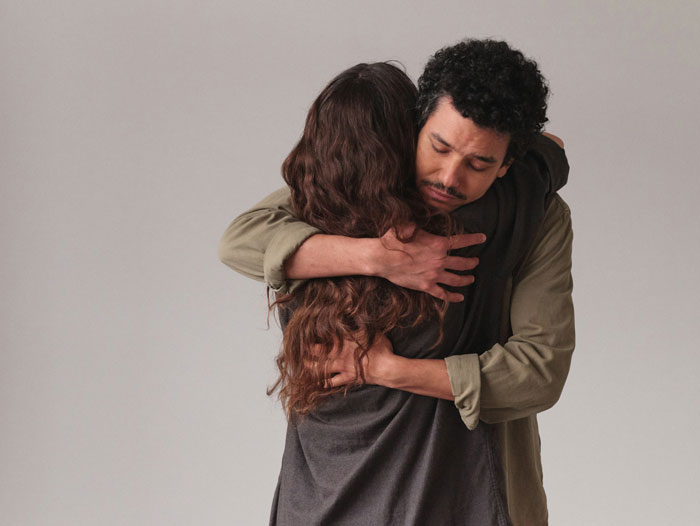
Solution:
(489, 160)
(442, 141)
(482, 158)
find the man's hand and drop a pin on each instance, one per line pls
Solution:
(376, 363)
(422, 264)
(425, 376)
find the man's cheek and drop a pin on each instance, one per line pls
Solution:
(424, 170)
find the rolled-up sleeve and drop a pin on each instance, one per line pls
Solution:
(259, 241)
(526, 375)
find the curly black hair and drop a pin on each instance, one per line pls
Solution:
(490, 83)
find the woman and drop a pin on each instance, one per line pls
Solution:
(373, 455)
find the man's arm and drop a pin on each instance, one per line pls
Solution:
(527, 374)
(257, 243)
(268, 244)
(522, 377)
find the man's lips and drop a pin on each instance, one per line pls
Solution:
(438, 195)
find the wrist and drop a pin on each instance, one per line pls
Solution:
(389, 371)
(371, 250)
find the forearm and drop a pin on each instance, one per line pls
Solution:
(322, 256)
(425, 377)
(268, 243)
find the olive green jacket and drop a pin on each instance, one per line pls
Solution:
(508, 384)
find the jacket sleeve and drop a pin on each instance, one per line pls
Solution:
(259, 241)
(526, 375)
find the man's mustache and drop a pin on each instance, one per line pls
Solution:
(445, 189)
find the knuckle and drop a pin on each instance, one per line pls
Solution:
(437, 265)
(439, 243)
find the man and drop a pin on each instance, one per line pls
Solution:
(481, 104)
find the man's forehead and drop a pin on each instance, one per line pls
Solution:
(447, 126)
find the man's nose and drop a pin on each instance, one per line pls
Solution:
(449, 175)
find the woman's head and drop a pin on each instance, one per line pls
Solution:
(353, 171)
(352, 174)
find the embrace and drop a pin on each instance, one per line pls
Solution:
(421, 262)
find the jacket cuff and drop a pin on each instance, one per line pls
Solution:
(464, 372)
(282, 245)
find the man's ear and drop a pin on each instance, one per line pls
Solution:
(504, 168)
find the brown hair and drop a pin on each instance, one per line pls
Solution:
(352, 174)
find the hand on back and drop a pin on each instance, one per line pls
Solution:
(424, 264)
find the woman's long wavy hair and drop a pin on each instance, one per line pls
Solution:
(352, 174)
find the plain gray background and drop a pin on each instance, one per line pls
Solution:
(133, 364)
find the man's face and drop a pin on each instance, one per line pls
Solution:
(456, 160)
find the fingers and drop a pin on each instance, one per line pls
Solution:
(336, 362)
(465, 240)
(455, 280)
(460, 263)
(339, 366)
(340, 379)
(445, 295)
(335, 373)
